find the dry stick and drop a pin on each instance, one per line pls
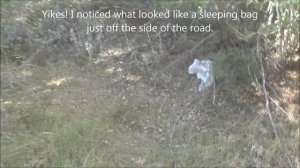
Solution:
(281, 109)
(276, 104)
(264, 86)
(267, 100)
(273, 90)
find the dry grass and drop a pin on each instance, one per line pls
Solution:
(133, 105)
(87, 117)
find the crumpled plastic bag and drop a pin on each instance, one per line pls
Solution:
(204, 71)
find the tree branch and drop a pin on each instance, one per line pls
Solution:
(264, 85)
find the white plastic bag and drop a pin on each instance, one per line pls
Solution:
(204, 71)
